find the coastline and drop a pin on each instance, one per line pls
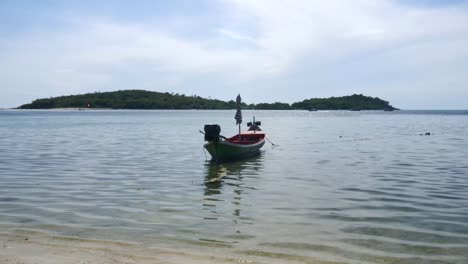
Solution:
(56, 109)
(22, 246)
(31, 247)
(193, 109)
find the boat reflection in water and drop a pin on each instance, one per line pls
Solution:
(229, 194)
(234, 172)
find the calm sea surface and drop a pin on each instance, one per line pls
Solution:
(351, 187)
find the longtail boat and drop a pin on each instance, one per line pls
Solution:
(242, 145)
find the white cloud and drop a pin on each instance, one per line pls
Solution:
(234, 35)
(300, 26)
(93, 54)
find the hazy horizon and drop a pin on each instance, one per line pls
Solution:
(410, 53)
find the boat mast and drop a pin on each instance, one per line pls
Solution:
(238, 115)
(254, 124)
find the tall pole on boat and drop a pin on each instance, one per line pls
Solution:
(238, 115)
(254, 124)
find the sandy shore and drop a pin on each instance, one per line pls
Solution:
(27, 247)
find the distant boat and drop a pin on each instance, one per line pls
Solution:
(242, 145)
(354, 109)
(312, 109)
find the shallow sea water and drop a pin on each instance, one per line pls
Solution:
(348, 187)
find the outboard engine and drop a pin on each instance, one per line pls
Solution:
(212, 133)
(254, 126)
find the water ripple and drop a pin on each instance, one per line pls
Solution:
(323, 196)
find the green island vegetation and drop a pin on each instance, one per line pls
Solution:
(350, 102)
(140, 99)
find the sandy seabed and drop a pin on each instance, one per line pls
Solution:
(29, 247)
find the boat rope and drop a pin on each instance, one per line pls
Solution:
(273, 144)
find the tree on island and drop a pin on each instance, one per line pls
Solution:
(351, 102)
(140, 99)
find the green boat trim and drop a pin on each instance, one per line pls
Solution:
(225, 150)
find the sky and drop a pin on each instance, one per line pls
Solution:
(412, 53)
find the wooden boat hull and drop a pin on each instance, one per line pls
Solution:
(225, 150)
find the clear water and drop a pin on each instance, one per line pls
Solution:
(351, 187)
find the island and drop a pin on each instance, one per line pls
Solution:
(141, 99)
(355, 102)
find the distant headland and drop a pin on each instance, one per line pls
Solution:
(140, 99)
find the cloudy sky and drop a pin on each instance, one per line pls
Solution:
(413, 53)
